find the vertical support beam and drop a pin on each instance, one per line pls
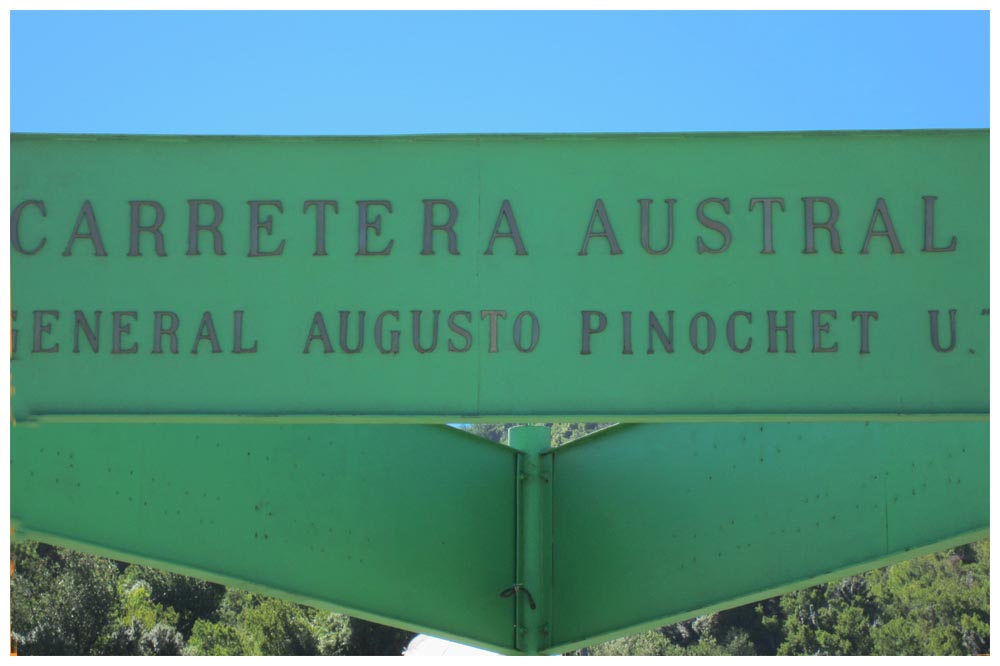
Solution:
(534, 537)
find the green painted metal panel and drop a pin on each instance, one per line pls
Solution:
(423, 527)
(869, 408)
(553, 185)
(658, 523)
(413, 527)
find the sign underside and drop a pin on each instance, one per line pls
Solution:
(415, 526)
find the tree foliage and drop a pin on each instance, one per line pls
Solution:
(68, 603)
(562, 433)
(932, 605)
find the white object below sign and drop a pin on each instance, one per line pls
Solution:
(428, 646)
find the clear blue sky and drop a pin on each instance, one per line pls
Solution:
(415, 73)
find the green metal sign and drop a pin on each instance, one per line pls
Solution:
(213, 339)
(524, 550)
(477, 277)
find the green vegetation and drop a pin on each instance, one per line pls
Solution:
(64, 602)
(932, 605)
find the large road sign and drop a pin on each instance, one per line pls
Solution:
(805, 314)
(479, 277)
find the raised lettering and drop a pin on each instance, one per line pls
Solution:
(448, 227)
(464, 332)
(206, 331)
(644, 226)
(812, 225)
(15, 227)
(321, 205)
(929, 229)
(42, 328)
(506, 213)
(731, 331)
(136, 227)
(607, 232)
(80, 324)
(92, 233)
(666, 337)
(589, 330)
(159, 331)
(345, 319)
(238, 347)
(317, 331)
(421, 349)
(256, 224)
(819, 328)
(864, 316)
(935, 334)
(773, 329)
(493, 315)
(881, 211)
(195, 226)
(518, 327)
(393, 347)
(710, 333)
(119, 329)
(766, 206)
(715, 225)
(626, 332)
(375, 224)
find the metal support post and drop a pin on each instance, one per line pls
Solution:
(534, 538)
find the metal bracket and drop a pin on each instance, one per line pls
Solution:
(517, 588)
